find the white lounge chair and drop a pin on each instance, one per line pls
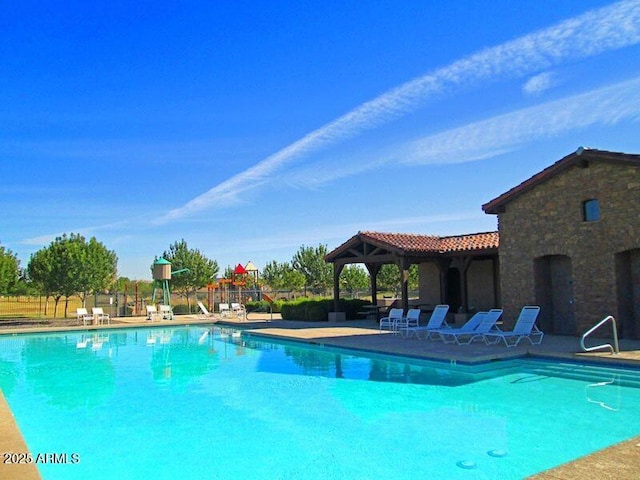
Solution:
(204, 312)
(165, 312)
(100, 316)
(437, 321)
(411, 320)
(525, 327)
(224, 309)
(475, 328)
(152, 312)
(389, 322)
(83, 316)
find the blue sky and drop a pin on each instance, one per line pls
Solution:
(252, 128)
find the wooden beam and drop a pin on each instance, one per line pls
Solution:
(388, 258)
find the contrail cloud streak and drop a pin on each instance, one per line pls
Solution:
(597, 31)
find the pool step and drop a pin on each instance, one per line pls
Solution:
(591, 373)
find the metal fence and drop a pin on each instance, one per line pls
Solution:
(123, 304)
(21, 306)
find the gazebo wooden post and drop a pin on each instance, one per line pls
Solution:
(404, 265)
(337, 270)
(373, 269)
(443, 267)
(462, 264)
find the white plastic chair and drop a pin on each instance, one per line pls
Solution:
(100, 316)
(83, 315)
(411, 320)
(152, 312)
(224, 309)
(239, 310)
(390, 322)
(165, 312)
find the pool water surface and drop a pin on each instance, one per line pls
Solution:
(211, 403)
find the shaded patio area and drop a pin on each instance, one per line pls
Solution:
(447, 276)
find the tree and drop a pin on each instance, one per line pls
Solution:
(39, 274)
(354, 278)
(71, 266)
(389, 278)
(310, 262)
(282, 276)
(9, 271)
(201, 270)
(99, 268)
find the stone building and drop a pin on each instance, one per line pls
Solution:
(570, 242)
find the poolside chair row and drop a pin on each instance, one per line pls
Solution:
(163, 312)
(97, 316)
(224, 310)
(482, 326)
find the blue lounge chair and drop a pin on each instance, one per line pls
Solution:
(525, 327)
(437, 321)
(475, 328)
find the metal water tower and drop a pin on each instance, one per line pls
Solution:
(161, 277)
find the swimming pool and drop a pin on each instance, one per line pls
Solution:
(208, 403)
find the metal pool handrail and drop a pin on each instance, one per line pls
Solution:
(614, 349)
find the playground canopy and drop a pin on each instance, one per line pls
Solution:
(240, 270)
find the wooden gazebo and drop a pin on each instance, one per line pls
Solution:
(374, 249)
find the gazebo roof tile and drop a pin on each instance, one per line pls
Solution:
(417, 245)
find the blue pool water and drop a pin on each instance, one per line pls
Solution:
(201, 403)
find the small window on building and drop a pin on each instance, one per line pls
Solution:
(591, 210)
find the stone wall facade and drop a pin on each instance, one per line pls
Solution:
(481, 288)
(545, 238)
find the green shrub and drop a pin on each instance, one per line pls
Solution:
(183, 308)
(317, 310)
(263, 306)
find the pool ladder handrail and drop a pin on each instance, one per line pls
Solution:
(615, 349)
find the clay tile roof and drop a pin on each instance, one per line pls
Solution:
(418, 245)
(474, 241)
(580, 155)
(405, 241)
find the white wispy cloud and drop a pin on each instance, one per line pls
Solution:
(503, 133)
(483, 139)
(538, 84)
(597, 31)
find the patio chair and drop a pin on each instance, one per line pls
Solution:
(100, 316)
(165, 312)
(437, 321)
(475, 328)
(83, 316)
(152, 312)
(389, 322)
(204, 312)
(411, 320)
(525, 327)
(239, 310)
(224, 309)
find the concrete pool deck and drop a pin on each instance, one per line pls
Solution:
(619, 461)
